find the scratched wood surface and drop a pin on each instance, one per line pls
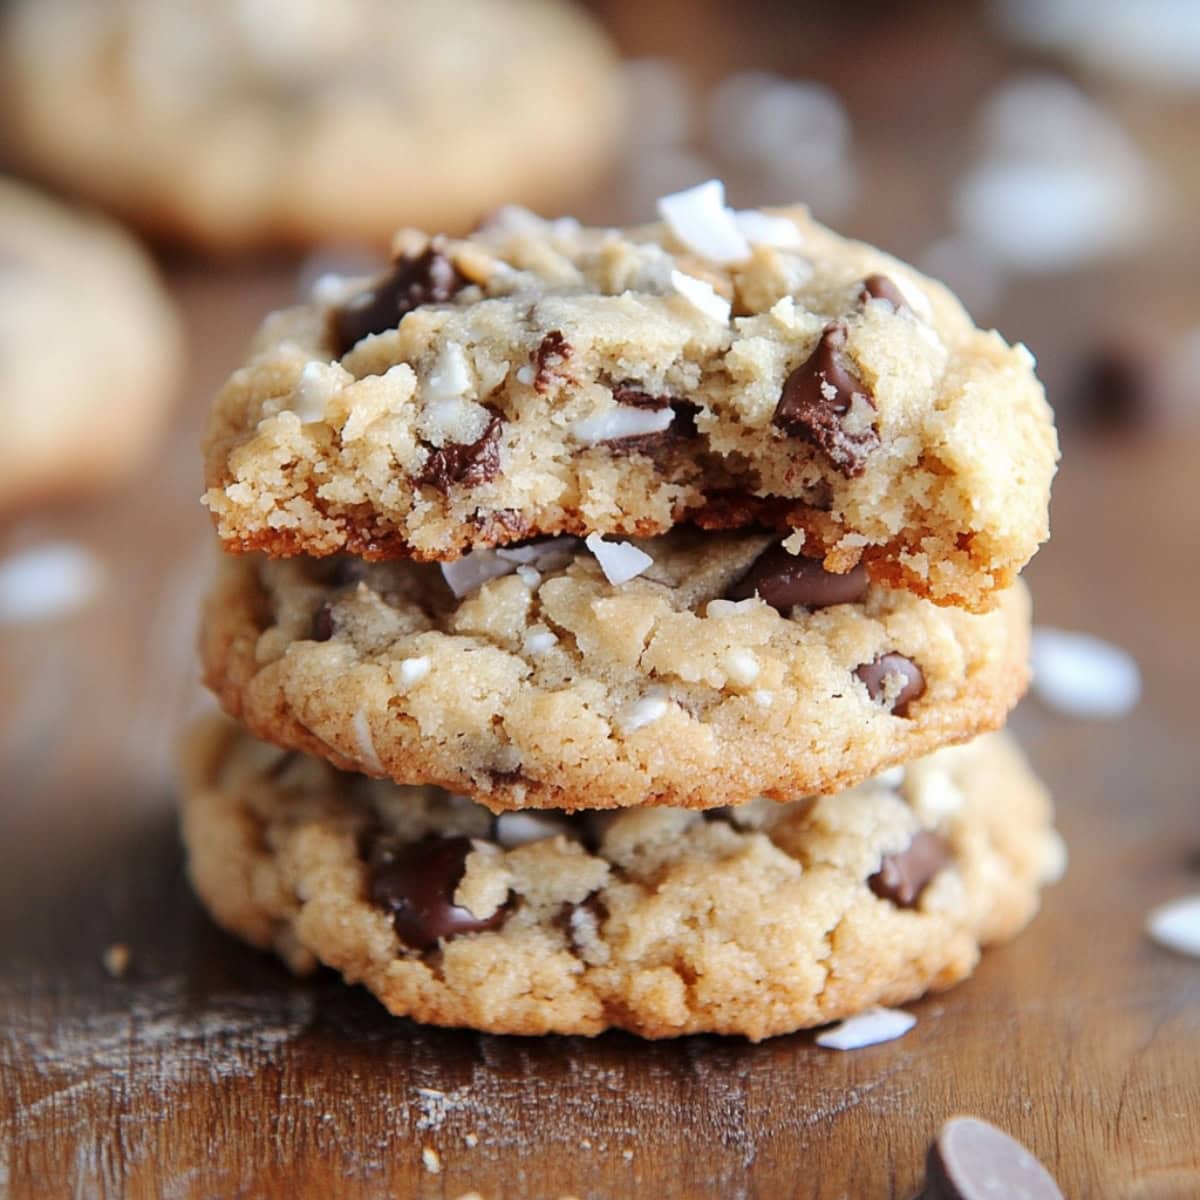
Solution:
(208, 1072)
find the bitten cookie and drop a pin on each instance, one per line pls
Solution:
(240, 123)
(90, 350)
(527, 678)
(542, 378)
(754, 920)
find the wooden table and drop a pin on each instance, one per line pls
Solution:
(208, 1072)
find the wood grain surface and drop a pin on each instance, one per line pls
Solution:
(208, 1072)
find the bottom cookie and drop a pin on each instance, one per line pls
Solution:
(755, 920)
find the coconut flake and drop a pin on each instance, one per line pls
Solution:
(451, 374)
(766, 229)
(741, 667)
(646, 711)
(539, 641)
(366, 745)
(413, 670)
(318, 384)
(702, 295)
(893, 777)
(47, 581)
(473, 570)
(867, 1029)
(1083, 676)
(699, 218)
(1176, 925)
(623, 421)
(513, 829)
(620, 561)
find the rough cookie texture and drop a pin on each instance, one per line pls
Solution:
(90, 350)
(540, 378)
(549, 686)
(234, 123)
(754, 920)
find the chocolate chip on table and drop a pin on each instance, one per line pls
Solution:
(880, 287)
(785, 580)
(427, 278)
(823, 400)
(552, 352)
(876, 674)
(902, 877)
(416, 885)
(468, 464)
(973, 1160)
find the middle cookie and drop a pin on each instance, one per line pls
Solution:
(717, 669)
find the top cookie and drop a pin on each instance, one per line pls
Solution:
(540, 378)
(233, 123)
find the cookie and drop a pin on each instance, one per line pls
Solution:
(541, 378)
(721, 669)
(753, 920)
(239, 123)
(90, 351)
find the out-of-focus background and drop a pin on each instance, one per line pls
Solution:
(1040, 156)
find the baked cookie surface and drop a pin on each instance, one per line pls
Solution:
(724, 669)
(240, 123)
(90, 350)
(542, 378)
(755, 920)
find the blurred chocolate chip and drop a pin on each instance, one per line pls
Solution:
(880, 287)
(973, 1160)
(416, 884)
(631, 394)
(784, 580)
(1116, 387)
(724, 813)
(468, 464)
(902, 877)
(322, 623)
(876, 674)
(552, 352)
(347, 570)
(428, 278)
(580, 923)
(825, 402)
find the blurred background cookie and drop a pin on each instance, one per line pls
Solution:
(90, 350)
(239, 123)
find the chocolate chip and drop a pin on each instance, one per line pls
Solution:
(322, 623)
(784, 580)
(876, 674)
(973, 1160)
(428, 278)
(580, 923)
(552, 352)
(416, 885)
(902, 877)
(655, 445)
(631, 394)
(468, 464)
(880, 287)
(824, 401)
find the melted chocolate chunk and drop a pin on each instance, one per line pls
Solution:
(416, 885)
(552, 352)
(468, 464)
(429, 278)
(902, 877)
(656, 445)
(631, 394)
(973, 1160)
(322, 623)
(823, 401)
(581, 922)
(784, 580)
(875, 675)
(880, 287)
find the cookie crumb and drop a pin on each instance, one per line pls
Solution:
(431, 1160)
(116, 959)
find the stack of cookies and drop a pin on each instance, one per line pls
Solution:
(617, 622)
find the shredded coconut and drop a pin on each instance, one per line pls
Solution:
(699, 218)
(366, 746)
(869, 1028)
(702, 296)
(624, 421)
(413, 670)
(620, 561)
(643, 712)
(1084, 676)
(47, 581)
(1176, 925)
